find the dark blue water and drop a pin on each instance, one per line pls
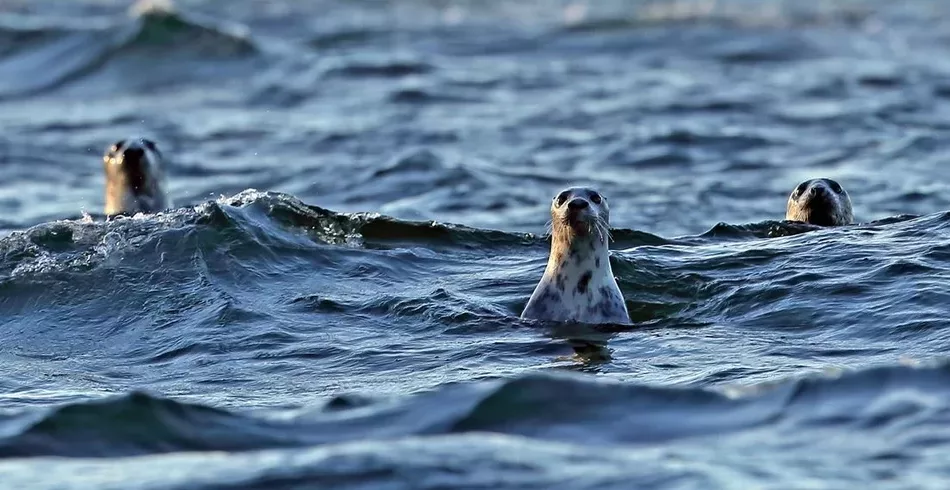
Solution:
(353, 322)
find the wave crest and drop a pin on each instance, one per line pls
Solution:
(158, 48)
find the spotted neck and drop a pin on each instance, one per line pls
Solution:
(571, 252)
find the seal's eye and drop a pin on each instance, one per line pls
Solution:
(561, 198)
(151, 146)
(801, 188)
(595, 198)
(835, 186)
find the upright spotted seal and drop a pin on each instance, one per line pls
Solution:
(578, 284)
(135, 179)
(820, 202)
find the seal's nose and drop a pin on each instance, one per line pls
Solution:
(133, 154)
(135, 166)
(577, 204)
(817, 190)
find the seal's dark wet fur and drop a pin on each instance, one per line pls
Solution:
(820, 202)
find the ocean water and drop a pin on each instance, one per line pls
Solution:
(362, 189)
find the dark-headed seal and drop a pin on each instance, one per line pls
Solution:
(135, 179)
(820, 202)
(578, 284)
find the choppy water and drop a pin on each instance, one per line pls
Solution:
(323, 332)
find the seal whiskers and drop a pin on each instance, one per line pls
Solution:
(578, 283)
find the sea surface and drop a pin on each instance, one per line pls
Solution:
(361, 192)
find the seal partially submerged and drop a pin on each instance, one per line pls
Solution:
(135, 178)
(820, 202)
(578, 284)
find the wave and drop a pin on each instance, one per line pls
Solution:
(262, 275)
(132, 424)
(660, 275)
(322, 300)
(272, 219)
(164, 27)
(557, 407)
(735, 14)
(159, 47)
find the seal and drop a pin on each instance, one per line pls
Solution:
(821, 202)
(578, 284)
(135, 179)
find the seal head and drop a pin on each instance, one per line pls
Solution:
(821, 202)
(135, 179)
(578, 284)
